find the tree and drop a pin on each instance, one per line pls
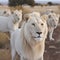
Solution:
(30, 2)
(50, 3)
(20, 2)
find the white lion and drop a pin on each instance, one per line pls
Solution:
(29, 40)
(52, 23)
(10, 23)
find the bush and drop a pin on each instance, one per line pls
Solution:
(50, 3)
(20, 2)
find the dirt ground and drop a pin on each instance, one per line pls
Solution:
(52, 48)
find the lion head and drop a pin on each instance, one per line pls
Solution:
(35, 27)
(53, 20)
(17, 15)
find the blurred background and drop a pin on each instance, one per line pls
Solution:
(52, 50)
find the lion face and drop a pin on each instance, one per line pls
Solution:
(36, 28)
(17, 15)
(53, 20)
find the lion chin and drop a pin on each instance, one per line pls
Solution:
(38, 38)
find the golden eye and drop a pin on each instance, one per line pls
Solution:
(53, 20)
(42, 24)
(33, 24)
(16, 14)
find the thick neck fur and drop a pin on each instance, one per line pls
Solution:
(32, 48)
(12, 18)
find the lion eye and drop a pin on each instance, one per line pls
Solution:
(53, 20)
(16, 14)
(42, 24)
(4, 12)
(33, 24)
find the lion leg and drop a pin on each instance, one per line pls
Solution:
(41, 58)
(50, 34)
(22, 58)
(13, 51)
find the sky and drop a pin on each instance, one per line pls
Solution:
(6, 1)
(56, 1)
(3, 0)
(47, 0)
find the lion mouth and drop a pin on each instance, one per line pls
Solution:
(37, 37)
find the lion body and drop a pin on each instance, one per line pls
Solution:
(26, 41)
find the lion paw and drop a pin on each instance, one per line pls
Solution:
(52, 39)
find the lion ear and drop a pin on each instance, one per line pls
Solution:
(26, 17)
(44, 18)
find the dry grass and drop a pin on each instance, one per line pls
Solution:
(5, 54)
(27, 9)
(4, 38)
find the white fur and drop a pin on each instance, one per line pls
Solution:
(10, 23)
(26, 41)
(52, 22)
(5, 12)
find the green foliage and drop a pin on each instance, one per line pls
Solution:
(50, 3)
(30, 2)
(20, 2)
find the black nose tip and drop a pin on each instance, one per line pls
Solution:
(18, 18)
(39, 33)
(54, 25)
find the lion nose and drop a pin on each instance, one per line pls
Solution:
(54, 25)
(39, 33)
(18, 18)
